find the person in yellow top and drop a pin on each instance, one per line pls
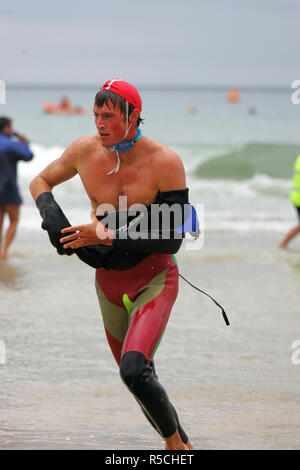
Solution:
(295, 198)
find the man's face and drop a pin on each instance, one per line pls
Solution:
(110, 123)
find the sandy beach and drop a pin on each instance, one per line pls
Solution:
(234, 387)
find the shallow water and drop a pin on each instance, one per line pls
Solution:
(234, 387)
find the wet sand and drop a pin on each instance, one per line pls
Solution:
(234, 387)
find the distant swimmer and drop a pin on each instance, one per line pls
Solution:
(295, 199)
(136, 271)
(233, 96)
(65, 103)
(63, 108)
(13, 148)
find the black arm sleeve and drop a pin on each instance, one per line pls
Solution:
(54, 220)
(161, 235)
(149, 246)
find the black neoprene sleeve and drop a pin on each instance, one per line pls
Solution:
(162, 236)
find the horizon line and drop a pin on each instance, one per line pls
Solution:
(151, 87)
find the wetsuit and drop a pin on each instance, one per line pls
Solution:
(137, 284)
(136, 305)
(11, 152)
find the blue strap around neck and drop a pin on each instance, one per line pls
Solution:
(124, 147)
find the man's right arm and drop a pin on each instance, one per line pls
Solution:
(54, 220)
(57, 172)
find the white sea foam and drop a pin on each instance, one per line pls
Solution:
(42, 157)
(258, 204)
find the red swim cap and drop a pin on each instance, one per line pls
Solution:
(125, 90)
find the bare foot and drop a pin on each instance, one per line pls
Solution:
(2, 255)
(282, 245)
(174, 442)
(181, 447)
(189, 445)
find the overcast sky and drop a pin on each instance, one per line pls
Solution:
(198, 42)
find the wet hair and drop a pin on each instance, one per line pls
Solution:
(4, 121)
(104, 96)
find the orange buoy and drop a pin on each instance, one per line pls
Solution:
(191, 110)
(233, 96)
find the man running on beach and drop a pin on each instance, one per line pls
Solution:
(13, 148)
(136, 279)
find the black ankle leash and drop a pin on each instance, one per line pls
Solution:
(220, 306)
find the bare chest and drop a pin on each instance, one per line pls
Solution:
(130, 185)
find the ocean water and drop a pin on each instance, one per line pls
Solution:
(239, 162)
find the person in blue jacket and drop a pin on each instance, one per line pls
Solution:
(13, 148)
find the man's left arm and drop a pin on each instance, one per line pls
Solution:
(166, 213)
(170, 173)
